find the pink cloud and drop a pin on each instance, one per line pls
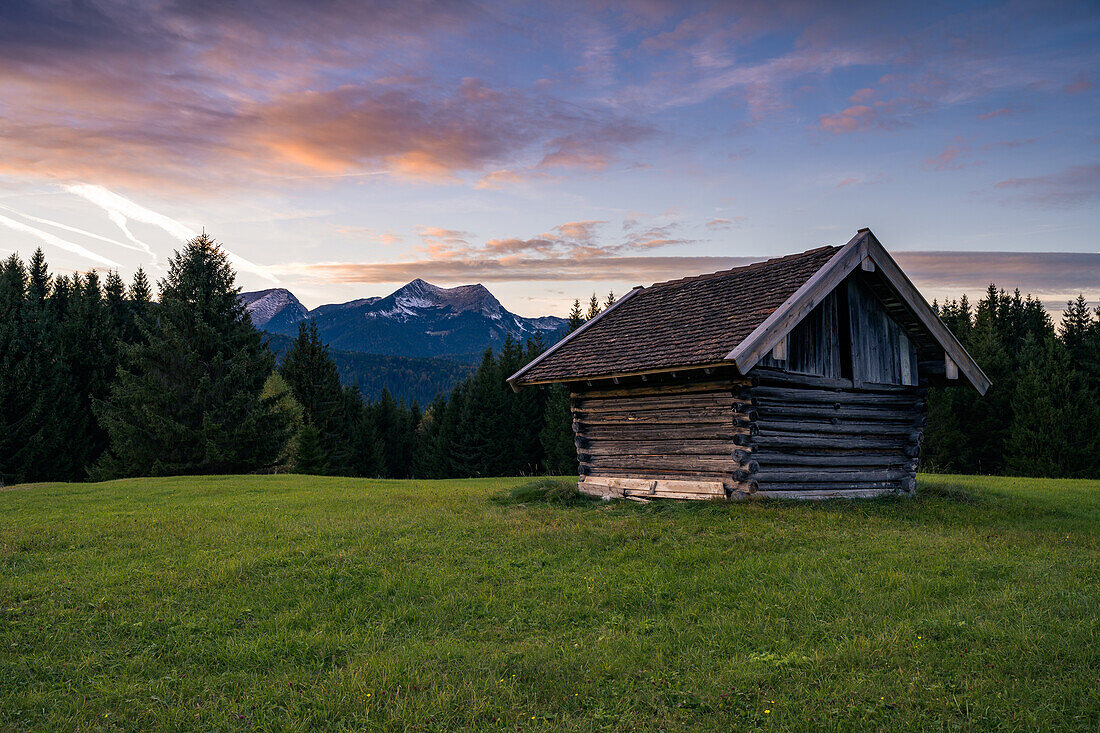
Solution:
(520, 269)
(1002, 112)
(859, 117)
(1079, 85)
(413, 131)
(862, 95)
(1054, 276)
(565, 247)
(951, 158)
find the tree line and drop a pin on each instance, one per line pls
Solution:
(1041, 416)
(100, 380)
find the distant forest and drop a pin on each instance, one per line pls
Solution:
(99, 380)
(408, 378)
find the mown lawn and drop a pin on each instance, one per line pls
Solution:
(297, 603)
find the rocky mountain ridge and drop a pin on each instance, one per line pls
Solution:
(418, 319)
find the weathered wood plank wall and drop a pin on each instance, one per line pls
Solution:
(668, 433)
(823, 437)
(813, 346)
(880, 346)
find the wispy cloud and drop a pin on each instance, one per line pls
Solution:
(880, 115)
(72, 229)
(1079, 85)
(558, 254)
(961, 154)
(951, 158)
(122, 211)
(1072, 186)
(719, 224)
(641, 269)
(56, 241)
(1052, 276)
(861, 179)
(1000, 112)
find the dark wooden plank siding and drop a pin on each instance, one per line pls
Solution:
(879, 344)
(815, 435)
(813, 346)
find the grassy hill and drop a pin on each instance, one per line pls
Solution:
(294, 603)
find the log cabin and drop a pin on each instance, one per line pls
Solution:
(801, 377)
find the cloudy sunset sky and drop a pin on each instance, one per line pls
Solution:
(340, 149)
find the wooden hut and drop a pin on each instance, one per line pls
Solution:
(799, 377)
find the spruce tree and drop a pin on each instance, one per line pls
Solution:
(1078, 333)
(532, 407)
(365, 456)
(15, 402)
(140, 296)
(396, 433)
(89, 346)
(1057, 434)
(448, 462)
(514, 459)
(576, 316)
(278, 392)
(189, 399)
(1076, 319)
(315, 381)
(478, 448)
(309, 458)
(593, 307)
(38, 285)
(120, 315)
(429, 460)
(557, 433)
(140, 292)
(1091, 361)
(31, 410)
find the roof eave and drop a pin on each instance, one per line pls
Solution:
(515, 382)
(864, 244)
(920, 307)
(764, 337)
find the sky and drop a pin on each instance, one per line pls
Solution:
(340, 148)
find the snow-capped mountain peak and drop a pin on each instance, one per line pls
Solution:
(277, 303)
(409, 299)
(417, 319)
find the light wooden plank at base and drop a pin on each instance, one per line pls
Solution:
(611, 487)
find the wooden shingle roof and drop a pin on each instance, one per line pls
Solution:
(734, 317)
(696, 321)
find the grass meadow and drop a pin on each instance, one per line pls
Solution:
(300, 603)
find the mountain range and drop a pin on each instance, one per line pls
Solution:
(418, 319)
(412, 341)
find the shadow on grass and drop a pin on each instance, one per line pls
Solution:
(939, 502)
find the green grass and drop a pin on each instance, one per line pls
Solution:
(297, 603)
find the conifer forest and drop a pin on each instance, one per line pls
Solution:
(103, 379)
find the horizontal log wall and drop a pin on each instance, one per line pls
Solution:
(668, 440)
(816, 438)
